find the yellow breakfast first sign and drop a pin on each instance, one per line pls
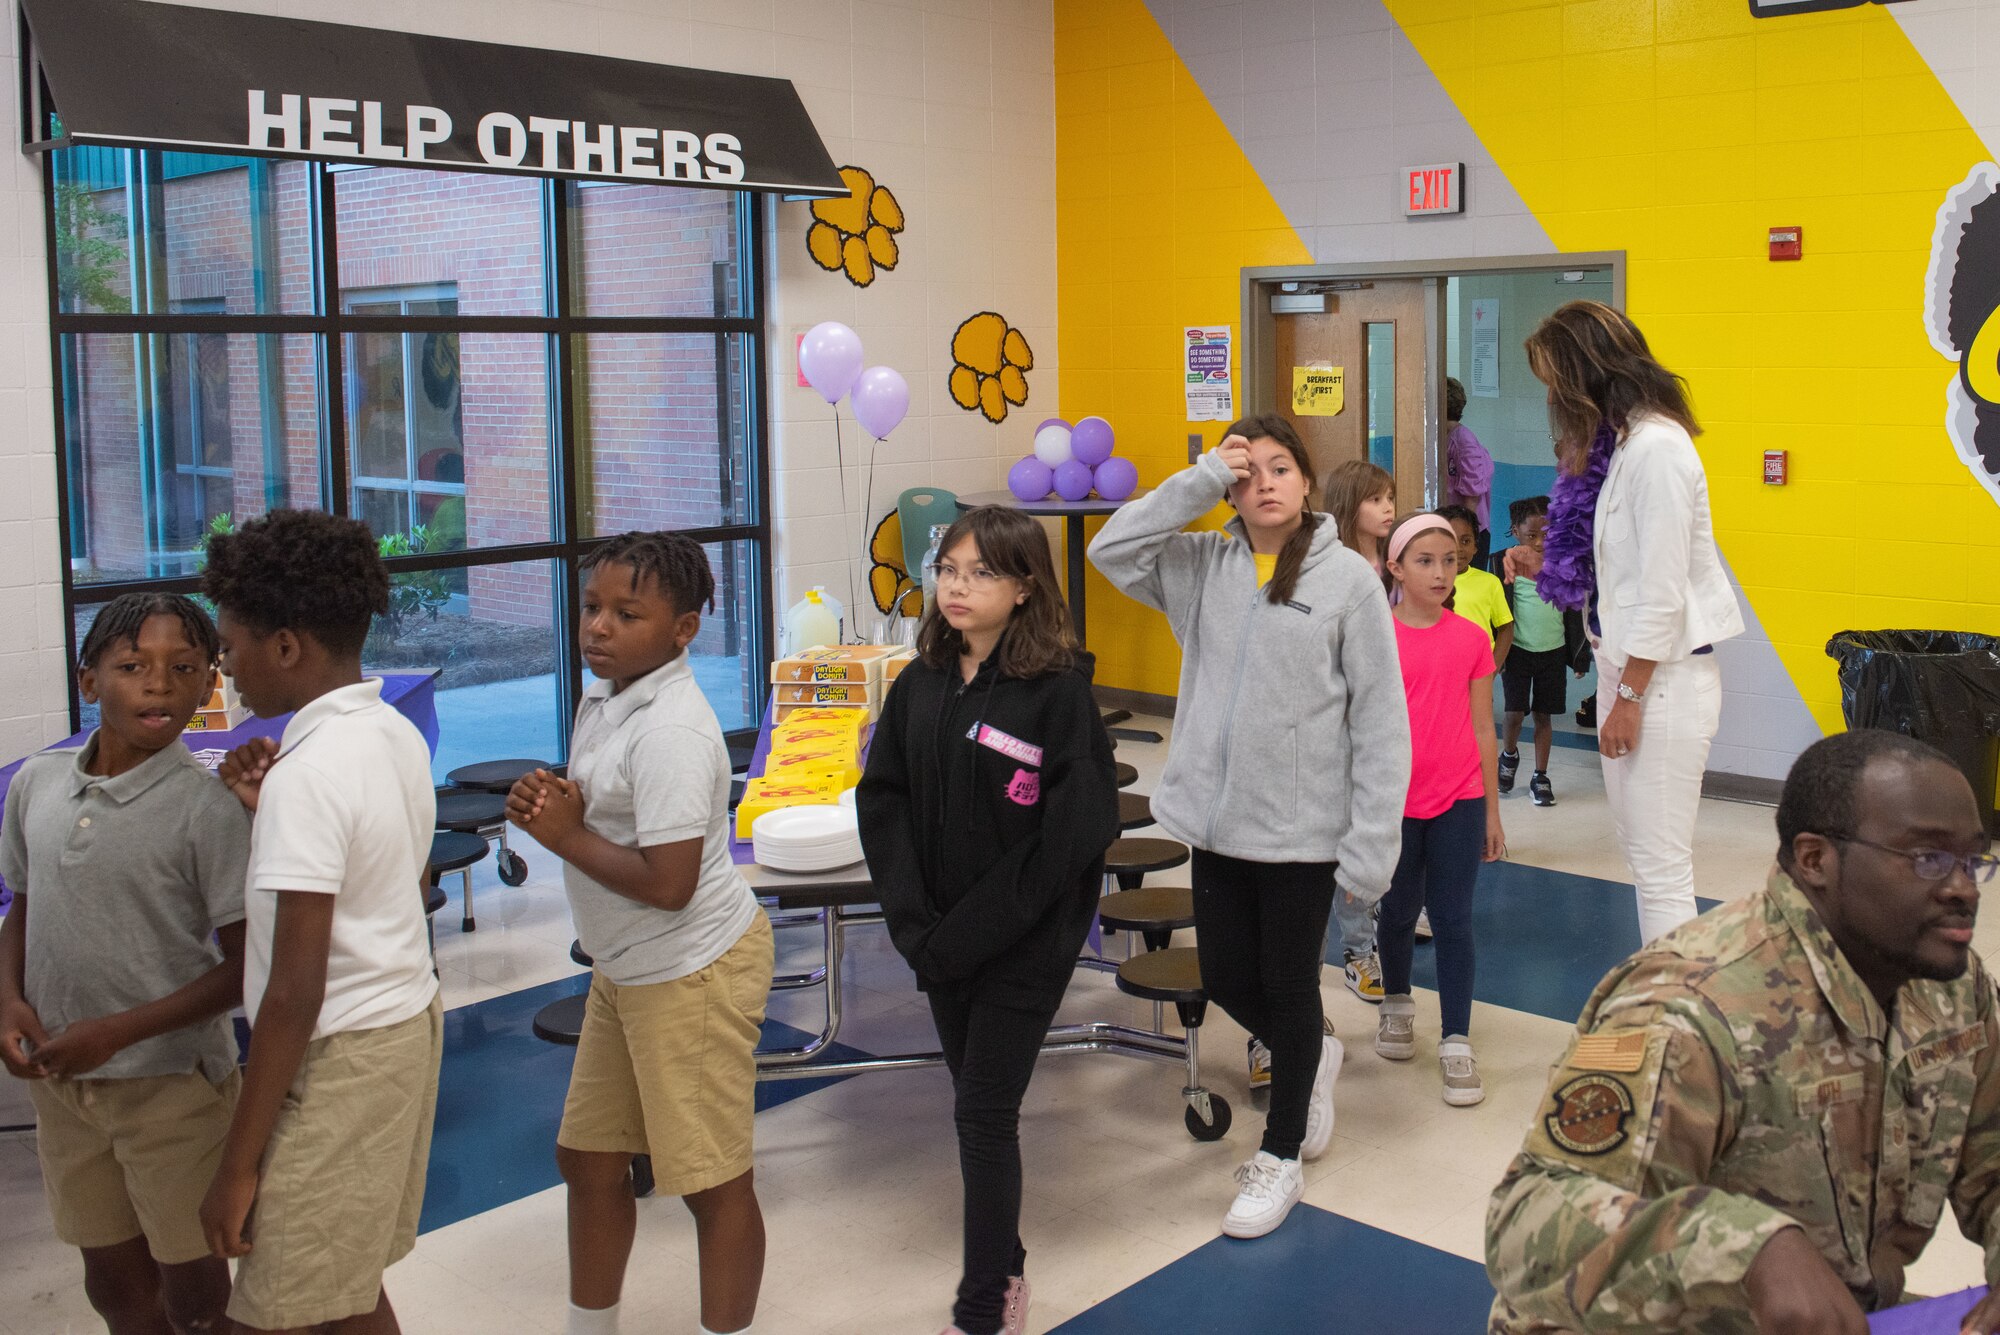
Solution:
(1319, 391)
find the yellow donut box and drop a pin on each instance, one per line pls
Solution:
(837, 765)
(766, 793)
(813, 726)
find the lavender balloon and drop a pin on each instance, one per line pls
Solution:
(1117, 478)
(1029, 479)
(1072, 480)
(880, 399)
(830, 359)
(1051, 421)
(1091, 441)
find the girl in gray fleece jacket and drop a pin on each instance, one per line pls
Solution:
(1290, 756)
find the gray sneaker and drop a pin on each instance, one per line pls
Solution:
(1396, 1028)
(1462, 1087)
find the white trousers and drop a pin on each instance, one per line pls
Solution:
(1655, 792)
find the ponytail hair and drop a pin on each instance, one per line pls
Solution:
(1292, 556)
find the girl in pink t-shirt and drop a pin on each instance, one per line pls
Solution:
(1451, 819)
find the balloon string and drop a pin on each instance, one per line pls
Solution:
(862, 547)
(840, 459)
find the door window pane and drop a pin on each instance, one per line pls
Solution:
(663, 431)
(149, 232)
(448, 432)
(179, 432)
(1381, 341)
(493, 634)
(655, 250)
(480, 236)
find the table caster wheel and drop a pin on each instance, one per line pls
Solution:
(513, 867)
(1216, 1126)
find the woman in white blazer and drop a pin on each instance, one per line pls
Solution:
(1662, 601)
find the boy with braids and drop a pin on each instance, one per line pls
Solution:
(114, 995)
(667, 1060)
(332, 1132)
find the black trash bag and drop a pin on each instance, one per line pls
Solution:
(1939, 686)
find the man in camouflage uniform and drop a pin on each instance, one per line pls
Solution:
(1762, 1115)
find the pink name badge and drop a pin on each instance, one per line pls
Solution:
(1011, 747)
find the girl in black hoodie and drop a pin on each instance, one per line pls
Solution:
(989, 799)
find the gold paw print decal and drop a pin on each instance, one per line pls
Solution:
(857, 234)
(989, 362)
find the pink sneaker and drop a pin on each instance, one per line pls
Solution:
(1015, 1318)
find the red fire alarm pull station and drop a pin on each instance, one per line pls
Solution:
(1787, 243)
(1775, 468)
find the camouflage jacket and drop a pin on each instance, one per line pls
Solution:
(1732, 1079)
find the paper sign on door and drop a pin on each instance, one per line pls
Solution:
(1319, 391)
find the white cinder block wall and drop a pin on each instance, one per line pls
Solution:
(950, 103)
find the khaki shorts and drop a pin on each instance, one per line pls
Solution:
(342, 1181)
(122, 1158)
(670, 1069)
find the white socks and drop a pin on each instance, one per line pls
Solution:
(593, 1320)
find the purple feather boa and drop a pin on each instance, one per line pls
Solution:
(1569, 568)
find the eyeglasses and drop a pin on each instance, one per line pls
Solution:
(1934, 864)
(979, 577)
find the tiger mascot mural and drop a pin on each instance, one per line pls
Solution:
(1962, 316)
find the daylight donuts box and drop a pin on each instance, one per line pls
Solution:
(224, 710)
(767, 793)
(865, 694)
(846, 663)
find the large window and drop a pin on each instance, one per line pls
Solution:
(495, 373)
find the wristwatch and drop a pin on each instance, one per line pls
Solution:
(1627, 693)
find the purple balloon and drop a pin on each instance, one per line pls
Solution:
(1051, 421)
(1072, 480)
(1091, 441)
(830, 359)
(1029, 479)
(880, 399)
(1117, 478)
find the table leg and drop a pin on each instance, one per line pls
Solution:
(1073, 553)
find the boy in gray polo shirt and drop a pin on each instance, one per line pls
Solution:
(113, 993)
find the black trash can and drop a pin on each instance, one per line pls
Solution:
(1939, 686)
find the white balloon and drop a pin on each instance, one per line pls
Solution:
(1052, 445)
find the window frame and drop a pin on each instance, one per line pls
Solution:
(331, 326)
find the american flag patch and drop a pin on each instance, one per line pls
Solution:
(1624, 1052)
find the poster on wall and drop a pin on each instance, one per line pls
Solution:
(1206, 365)
(1483, 382)
(1318, 391)
(1962, 317)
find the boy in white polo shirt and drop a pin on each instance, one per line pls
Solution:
(666, 1064)
(332, 1130)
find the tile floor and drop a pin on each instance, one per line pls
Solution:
(859, 1178)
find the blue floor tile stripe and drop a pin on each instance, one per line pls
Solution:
(500, 1098)
(1544, 938)
(1318, 1272)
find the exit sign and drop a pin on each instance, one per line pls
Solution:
(1438, 188)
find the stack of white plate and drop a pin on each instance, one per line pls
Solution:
(806, 839)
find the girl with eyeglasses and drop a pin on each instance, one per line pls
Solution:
(989, 800)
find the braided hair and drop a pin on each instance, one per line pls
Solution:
(124, 616)
(675, 560)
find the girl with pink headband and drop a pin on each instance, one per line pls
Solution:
(1451, 817)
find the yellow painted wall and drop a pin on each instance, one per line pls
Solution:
(1677, 131)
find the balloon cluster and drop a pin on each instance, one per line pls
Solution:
(1073, 461)
(830, 359)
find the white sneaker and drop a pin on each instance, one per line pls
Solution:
(1462, 1086)
(1396, 1028)
(1268, 1189)
(1423, 924)
(1319, 1113)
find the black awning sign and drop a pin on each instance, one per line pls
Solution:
(135, 72)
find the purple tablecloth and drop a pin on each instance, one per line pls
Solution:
(414, 694)
(1933, 1316)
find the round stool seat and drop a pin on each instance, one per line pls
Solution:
(1150, 908)
(454, 850)
(576, 953)
(493, 776)
(1127, 776)
(434, 898)
(1134, 810)
(470, 811)
(1173, 974)
(1136, 857)
(561, 1021)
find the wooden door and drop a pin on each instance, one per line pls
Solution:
(1376, 334)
